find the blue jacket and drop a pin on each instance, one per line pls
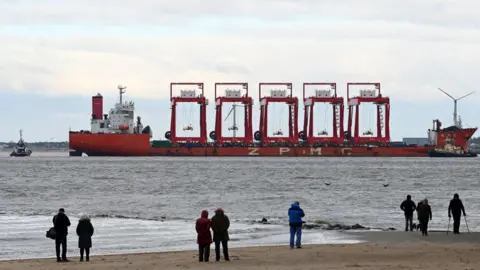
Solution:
(295, 215)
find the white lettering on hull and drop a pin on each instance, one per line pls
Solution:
(315, 151)
(284, 150)
(253, 152)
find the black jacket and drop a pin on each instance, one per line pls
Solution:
(456, 208)
(85, 232)
(220, 224)
(61, 224)
(408, 206)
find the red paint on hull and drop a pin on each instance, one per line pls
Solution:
(294, 151)
(99, 144)
(139, 145)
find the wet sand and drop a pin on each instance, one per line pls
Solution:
(385, 250)
(401, 237)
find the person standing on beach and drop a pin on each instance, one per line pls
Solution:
(424, 215)
(419, 226)
(408, 206)
(85, 232)
(61, 224)
(456, 208)
(204, 236)
(220, 224)
(295, 215)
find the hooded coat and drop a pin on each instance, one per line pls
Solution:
(424, 212)
(220, 225)
(85, 232)
(295, 215)
(456, 207)
(202, 226)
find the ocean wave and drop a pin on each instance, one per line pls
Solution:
(25, 236)
(118, 216)
(300, 177)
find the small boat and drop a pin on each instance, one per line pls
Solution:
(21, 149)
(450, 151)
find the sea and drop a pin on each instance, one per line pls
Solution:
(150, 204)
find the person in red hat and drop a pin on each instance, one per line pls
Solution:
(220, 225)
(204, 236)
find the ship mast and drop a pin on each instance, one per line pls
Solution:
(456, 121)
(234, 110)
(234, 121)
(122, 91)
(21, 134)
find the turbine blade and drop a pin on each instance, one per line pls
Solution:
(229, 113)
(466, 95)
(446, 93)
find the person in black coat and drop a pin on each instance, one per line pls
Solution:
(456, 208)
(85, 233)
(408, 206)
(61, 224)
(219, 225)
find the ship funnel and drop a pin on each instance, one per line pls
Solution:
(97, 107)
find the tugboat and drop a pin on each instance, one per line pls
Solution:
(450, 151)
(21, 149)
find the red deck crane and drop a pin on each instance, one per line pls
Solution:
(188, 96)
(383, 114)
(277, 96)
(232, 96)
(328, 96)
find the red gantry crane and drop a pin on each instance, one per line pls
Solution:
(383, 114)
(234, 96)
(328, 96)
(277, 96)
(188, 96)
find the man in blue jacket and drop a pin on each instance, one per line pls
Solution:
(295, 215)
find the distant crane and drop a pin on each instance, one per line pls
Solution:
(233, 128)
(456, 119)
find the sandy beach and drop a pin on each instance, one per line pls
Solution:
(389, 250)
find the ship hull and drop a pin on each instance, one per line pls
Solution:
(293, 151)
(139, 145)
(19, 155)
(100, 144)
(433, 153)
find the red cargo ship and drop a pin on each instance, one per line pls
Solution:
(116, 134)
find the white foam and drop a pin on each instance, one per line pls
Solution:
(24, 237)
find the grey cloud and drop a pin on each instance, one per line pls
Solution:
(26, 67)
(408, 58)
(232, 68)
(126, 12)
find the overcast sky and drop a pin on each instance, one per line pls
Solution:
(56, 54)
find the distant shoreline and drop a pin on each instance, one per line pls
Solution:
(38, 150)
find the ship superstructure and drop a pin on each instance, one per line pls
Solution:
(120, 119)
(21, 149)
